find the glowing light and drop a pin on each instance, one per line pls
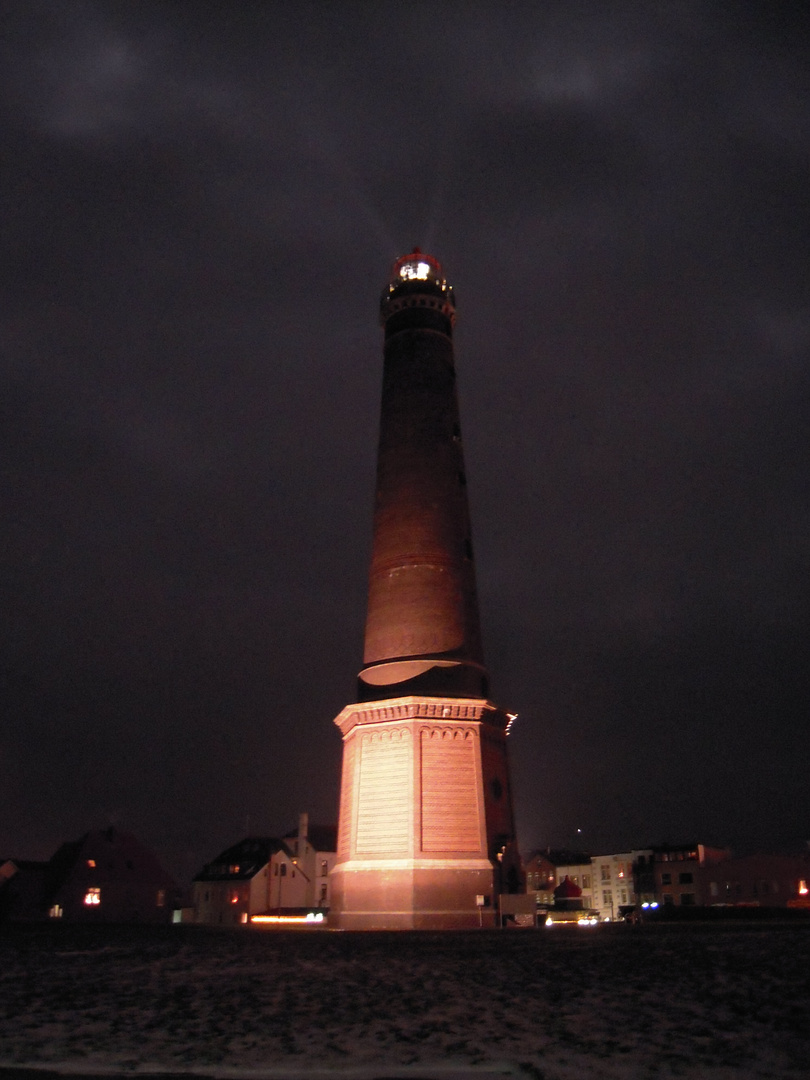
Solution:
(802, 888)
(91, 862)
(415, 271)
(92, 897)
(310, 918)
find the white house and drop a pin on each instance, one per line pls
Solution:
(267, 876)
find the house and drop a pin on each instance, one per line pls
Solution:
(676, 872)
(106, 876)
(547, 869)
(541, 877)
(236, 885)
(775, 881)
(614, 883)
(266, 876)
(314, 849)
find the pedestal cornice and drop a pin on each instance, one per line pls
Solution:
(395, 710)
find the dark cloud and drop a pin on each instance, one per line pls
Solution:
(200, 206)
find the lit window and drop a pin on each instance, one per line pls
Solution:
(161, 898)
(802, 890)
(92, 897)
(91, 862)
(55, 912)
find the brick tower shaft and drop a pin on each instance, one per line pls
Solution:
(422, 628)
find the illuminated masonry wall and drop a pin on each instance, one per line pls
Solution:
(425, 810)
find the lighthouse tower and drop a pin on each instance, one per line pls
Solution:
(426, 827)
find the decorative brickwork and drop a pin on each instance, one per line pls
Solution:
(384, 798)
(451, 814)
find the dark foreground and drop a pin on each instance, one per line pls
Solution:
(724, 1001)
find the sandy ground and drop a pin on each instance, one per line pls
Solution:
(716, 1002)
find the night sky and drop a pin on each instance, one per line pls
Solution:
(201, 203)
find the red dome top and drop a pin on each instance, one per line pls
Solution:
(567, 890)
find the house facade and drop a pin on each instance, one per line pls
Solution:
(677, 873)
(545, 870)
(781, 881)
(262, 876)
(614, 884)
(106, 876)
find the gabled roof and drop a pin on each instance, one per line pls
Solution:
(320, 837)
(111, 853)
(244, 860)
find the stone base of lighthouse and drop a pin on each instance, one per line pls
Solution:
(426, 826)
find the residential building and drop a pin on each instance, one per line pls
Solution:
(545, 870)
(314, 850)
(757, 881)
(106, 876)
(676, 875)
(614, 891)
(267, 876)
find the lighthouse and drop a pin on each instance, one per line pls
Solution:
(426, 831)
